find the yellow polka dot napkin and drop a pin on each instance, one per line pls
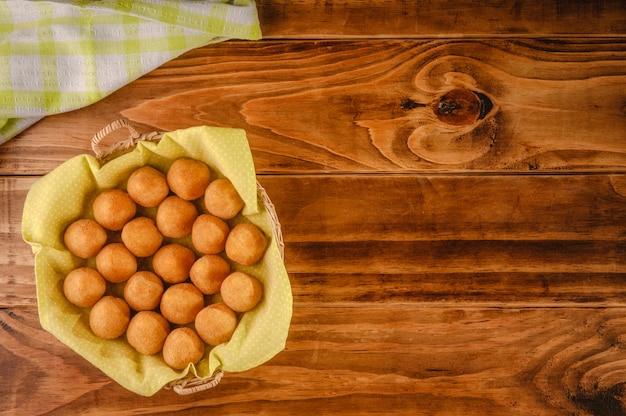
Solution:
(66, 194)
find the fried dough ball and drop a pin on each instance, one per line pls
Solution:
(216, 323)
(181, 303)
(173, 262)
(245, 244)
(141, 236)
(222, 200)
(143, 291)
(208, 273)
(175, 217)
(84, 286)
(147, 331)
(241, 292)
(115, 263)
(85, 238)
(208, 234)
(147, 186)
(182, 347)
(188, 178)
(113, 208)
(109, 317)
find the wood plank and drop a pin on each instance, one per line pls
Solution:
(414, 207)
(557, 105)
(17, 280)
(544, 240)
(293, 19)
(395, 359)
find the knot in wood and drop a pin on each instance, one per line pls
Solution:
(458, 107)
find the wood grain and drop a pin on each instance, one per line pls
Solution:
(373, 106)
(362, 360)
(302, 19)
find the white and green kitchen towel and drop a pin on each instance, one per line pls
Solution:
(61, 55)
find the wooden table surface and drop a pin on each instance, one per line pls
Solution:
(451, 182)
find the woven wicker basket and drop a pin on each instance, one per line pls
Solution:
(187, 385)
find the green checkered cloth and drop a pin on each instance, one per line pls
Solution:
(58, 56)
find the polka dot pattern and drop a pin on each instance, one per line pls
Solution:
(66, 193)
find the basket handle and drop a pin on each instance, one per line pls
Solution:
(134, 137)
(194, 385)
(271, 212)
